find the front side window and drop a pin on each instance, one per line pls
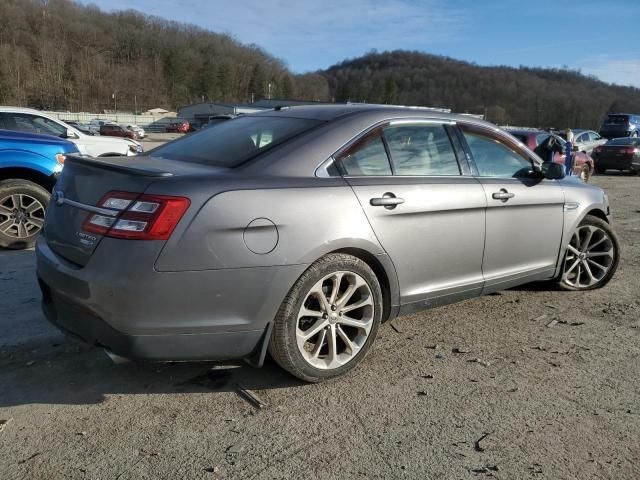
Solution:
(421, 150)
(366, 157)
(493, 157)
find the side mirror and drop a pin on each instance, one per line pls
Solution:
(552, 171)
(71, 134)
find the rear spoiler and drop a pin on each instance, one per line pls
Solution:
(113, 163)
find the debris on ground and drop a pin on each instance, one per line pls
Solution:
(212, 469)
(249, 396)
(476, 444)
(30, 362)
(540, 318)
(4, 423)
(433, 347)
(234, 449)
(395, 327)
(485, 469)
(422, 393)
(460, 350)
(552, 323)
(439, 356)
(576, 324)
(481, 362)
(427, 376)
(81, 433)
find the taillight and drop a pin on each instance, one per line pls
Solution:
(629, 150)
(137, 217)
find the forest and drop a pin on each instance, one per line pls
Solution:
(59, 55)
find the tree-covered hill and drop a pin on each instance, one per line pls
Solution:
(520, 96)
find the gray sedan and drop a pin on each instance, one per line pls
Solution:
(300, 230)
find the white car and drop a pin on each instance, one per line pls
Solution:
(33, 121)
(134, 128)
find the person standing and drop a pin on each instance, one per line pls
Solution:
(568, 163)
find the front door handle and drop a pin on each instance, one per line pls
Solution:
(388, 201)
(503, 195)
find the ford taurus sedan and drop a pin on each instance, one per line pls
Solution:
(299, 231)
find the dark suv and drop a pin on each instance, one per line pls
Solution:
(620, 125)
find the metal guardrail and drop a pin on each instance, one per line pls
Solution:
(151, 123)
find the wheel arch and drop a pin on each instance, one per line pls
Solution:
(596, 212)
(20, 173)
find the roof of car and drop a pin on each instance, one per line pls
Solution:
(519, 131)
(334, 111)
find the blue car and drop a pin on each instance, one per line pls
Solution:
(29, 166)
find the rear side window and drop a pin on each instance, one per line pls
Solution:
(421, 150)
(367, 157)
(230, 143)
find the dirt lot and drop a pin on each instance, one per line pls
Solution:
(521, 400)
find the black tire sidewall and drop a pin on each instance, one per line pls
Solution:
(26, 187)
(283, 346)
(596, 222)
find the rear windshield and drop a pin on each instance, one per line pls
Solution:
(232, 142)
(617, 119)
(625, 141)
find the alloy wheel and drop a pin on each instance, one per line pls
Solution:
(590, 255)
(335, 320)
(21, 215)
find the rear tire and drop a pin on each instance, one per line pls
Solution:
(22, 208)
(592, 256)
(328, 320)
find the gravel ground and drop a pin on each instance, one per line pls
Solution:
(519, 400)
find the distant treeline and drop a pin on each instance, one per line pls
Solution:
(517, 96)
(59, 55)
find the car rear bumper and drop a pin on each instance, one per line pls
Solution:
(619, 163)
(163, 316)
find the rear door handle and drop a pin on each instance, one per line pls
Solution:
(388, 201)
(503, 195)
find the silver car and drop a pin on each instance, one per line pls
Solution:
(587, 140)
(300, 230)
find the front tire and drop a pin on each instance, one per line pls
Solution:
(592, 256)
(22, 208)
(328, 320)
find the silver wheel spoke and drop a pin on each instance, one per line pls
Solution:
(15, 200)
(356, 305)
(336, 281)
(573, 249)
(595, 244)
(333, 346)
(305, 312)
(4, 211)
(587, 239)
(608, 253)
(4, 226)
(351, 322)
(347, 341)
(22, 231)
(36, 222)
(322, 298)
(574, 265)
(321, 338)
(588, 270)
(319, 325)
(33, 207)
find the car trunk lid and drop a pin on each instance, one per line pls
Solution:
(80, 188)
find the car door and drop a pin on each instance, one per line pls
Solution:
(427, 214)
(525, 213)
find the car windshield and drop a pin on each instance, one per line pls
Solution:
(617, 119)
(625, 141)
(230, 143)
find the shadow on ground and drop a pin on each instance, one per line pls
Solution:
(65, 373)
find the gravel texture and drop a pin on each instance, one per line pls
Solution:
(526, 383)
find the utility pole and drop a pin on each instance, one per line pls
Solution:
(269, 91)
(115, 102)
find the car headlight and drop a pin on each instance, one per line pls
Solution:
(135, 148)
